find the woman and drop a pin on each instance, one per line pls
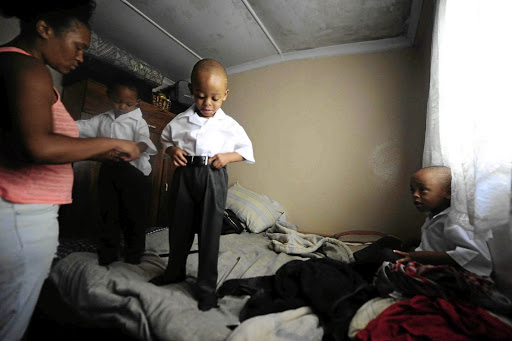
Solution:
(39, 141)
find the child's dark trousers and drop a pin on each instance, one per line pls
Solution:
(197, 201)
(124, 195)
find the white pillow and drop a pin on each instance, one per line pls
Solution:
(257, 212)
(158, 241)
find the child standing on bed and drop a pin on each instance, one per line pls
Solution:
(443, 243)
(124, 187)
(201, 141)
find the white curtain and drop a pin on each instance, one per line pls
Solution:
(469, 116)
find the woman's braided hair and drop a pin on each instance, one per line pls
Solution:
(59, 14)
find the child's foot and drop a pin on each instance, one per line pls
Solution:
(104, 261)
(163, 279)
(208, 302)
(133, 260)
(107, 256)
(133, 255)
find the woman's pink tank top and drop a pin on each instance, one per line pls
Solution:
(41, 184)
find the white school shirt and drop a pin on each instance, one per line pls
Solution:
(439, 235)
(200, 136)
(130, 126)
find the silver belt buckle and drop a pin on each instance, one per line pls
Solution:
(203, 158)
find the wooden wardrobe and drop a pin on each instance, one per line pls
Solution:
(84, 99)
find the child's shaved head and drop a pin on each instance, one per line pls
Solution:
(209, 86)
(443, 175)
(210, 66)
(431, 189)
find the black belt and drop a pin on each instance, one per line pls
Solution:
(196, 161)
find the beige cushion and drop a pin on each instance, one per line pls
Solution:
(257, 212)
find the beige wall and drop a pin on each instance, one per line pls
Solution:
(335, 139)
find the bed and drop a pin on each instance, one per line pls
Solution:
(256, 268)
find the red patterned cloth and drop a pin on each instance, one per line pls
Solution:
(443, 281)
(423, 318)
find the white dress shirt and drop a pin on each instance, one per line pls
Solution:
(438, 234)
(199, 136)
(130, 126)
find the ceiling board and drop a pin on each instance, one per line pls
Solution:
(302, 24)
(243, 34)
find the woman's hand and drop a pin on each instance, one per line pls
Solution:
(111, 155)
(126, 150)
(142, 147)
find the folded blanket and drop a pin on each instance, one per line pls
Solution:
(120, 295)
(285, 238)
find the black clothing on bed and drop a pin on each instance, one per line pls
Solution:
(370, 258)
(231, 223)
(333, 289)
(379, 251)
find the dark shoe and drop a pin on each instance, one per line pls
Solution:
(163, 279)
(133, 255)
(208, 302)
(133, 259)
(107, 256)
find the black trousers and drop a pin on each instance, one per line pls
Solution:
(124, 195)
(196, 205)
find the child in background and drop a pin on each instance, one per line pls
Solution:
(124, 187)
(443, 243)
(201, 141)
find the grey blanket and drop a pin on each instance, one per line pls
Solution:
(120, 295)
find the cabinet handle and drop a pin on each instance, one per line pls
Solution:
(166, 186)
(151, 126)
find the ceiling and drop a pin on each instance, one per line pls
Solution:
(172, 35)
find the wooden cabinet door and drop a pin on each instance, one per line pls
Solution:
(163, 206)
(156, 182)
(157, 120)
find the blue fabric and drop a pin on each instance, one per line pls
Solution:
(28, 243)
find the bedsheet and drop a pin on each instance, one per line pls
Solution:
(120, 294)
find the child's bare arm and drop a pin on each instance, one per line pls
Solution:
(426, 257)
(222, 159)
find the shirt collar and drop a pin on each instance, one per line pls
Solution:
(193, 117)
(134, 114)
(445, 211)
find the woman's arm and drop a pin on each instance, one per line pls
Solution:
(31, 97)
